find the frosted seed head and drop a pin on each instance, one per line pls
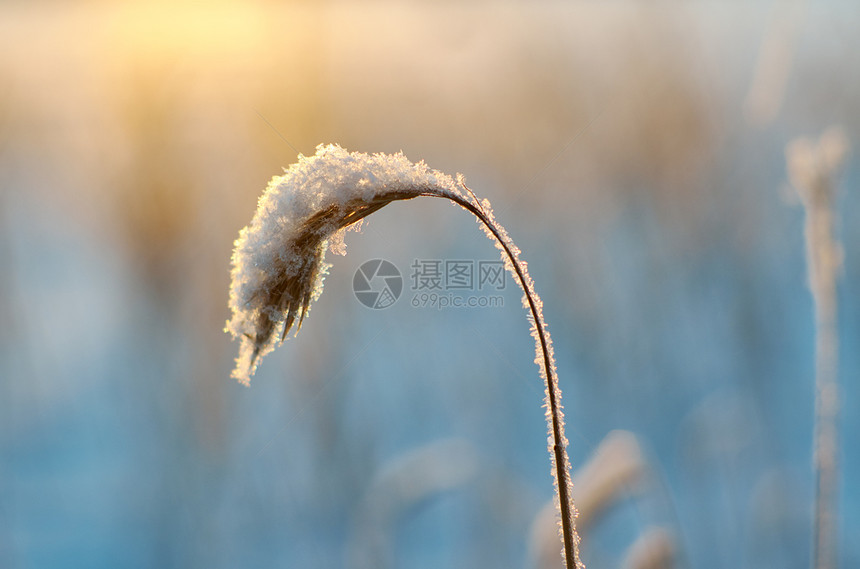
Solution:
(833, 147)
(278, 262)
(813, 166)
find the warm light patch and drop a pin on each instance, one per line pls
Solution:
(166, 29)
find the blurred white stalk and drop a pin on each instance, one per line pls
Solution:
(813, 169)
(773, 67)
(407, 480)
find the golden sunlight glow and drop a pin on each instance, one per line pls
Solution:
(157, 31)
(165, 29)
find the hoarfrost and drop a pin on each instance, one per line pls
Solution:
(279, 259)
(279, 265)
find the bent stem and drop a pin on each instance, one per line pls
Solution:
(561, 463)
(278, 267)
(545, 360)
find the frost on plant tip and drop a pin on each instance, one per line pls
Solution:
(279, 259)
(279, 265)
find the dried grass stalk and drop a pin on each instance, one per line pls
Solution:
(279, 264)
(813, 169)
(654, 549)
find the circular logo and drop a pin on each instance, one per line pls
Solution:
(377, 283)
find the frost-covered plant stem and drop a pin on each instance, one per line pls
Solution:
(813, 169)
(278, 267)
(826, 437)
(545, 359)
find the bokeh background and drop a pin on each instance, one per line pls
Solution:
(634, 151)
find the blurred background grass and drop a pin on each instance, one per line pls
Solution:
(633, 150)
